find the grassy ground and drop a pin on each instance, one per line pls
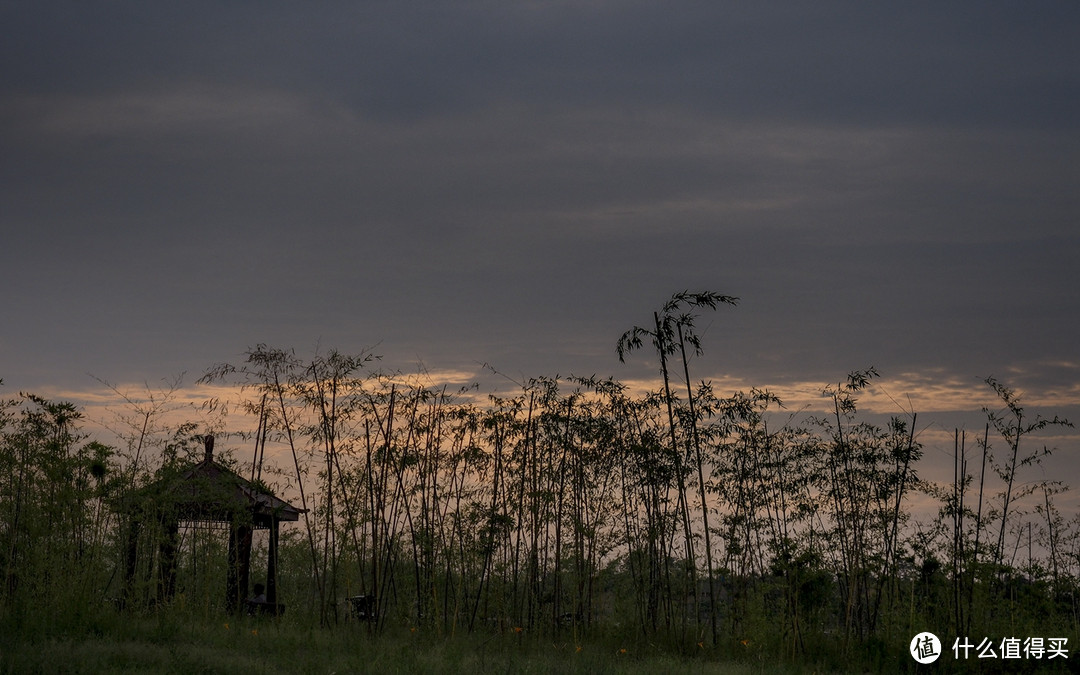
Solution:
(157, 644)
(163, 645)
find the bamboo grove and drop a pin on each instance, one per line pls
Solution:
(570, 505)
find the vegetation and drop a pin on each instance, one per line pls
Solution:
(571, 525)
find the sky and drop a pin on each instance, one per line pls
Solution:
(517, 183)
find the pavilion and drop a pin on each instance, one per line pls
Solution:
(208, 492)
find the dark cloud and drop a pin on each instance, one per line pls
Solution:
(997, 63)
(520, 182)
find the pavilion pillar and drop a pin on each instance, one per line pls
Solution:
(244, 572)
(230, 572)
(167, 560)
(272, 563)
(239, 572)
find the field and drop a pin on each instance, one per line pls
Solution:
(162, 644)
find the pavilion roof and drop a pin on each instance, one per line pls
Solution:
(210, 491)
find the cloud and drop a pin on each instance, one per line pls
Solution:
(520, 182)
(182, 109)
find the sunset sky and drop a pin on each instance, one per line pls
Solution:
(517, 183)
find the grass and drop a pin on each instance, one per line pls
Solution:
(171, 644)
(179, 641)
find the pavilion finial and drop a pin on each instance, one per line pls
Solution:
(208, 441)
